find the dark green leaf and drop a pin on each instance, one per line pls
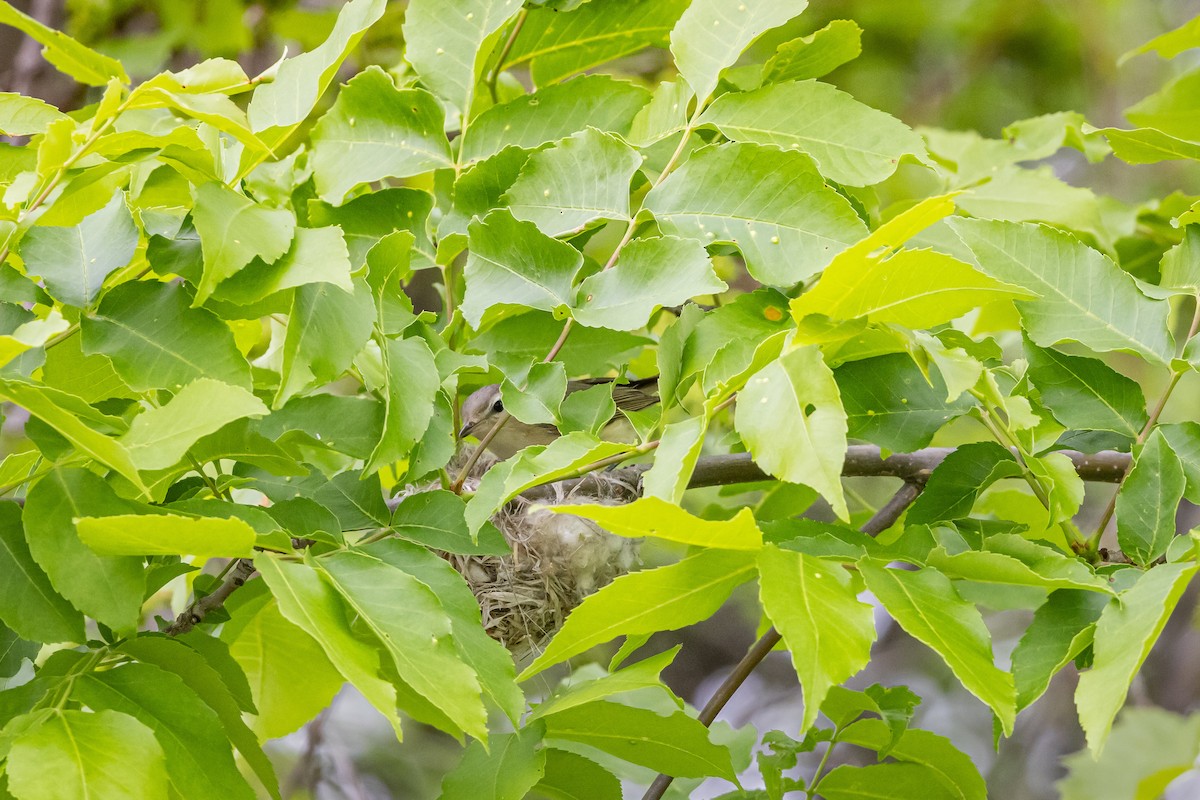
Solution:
(107, 588)
(156, 341)
(29, 605)
(506, 770)
(1148, 500)
(198, 756)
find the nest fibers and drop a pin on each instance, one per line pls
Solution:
(556, 561)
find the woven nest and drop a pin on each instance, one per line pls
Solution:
(557, 559)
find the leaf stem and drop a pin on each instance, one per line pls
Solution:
(494, 76)
(1093, 541)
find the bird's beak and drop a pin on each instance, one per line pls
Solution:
(465, 432)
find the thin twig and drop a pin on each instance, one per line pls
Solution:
(883, 519)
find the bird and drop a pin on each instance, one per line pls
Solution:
(484, 407)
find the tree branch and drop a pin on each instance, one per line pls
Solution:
(862, 461)
(195, 613)
(883, 519)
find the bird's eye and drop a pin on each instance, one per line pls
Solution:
(497, 406)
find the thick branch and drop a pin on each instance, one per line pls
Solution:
(862, 461)
(883, 519)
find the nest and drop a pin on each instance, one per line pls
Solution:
(556, 561)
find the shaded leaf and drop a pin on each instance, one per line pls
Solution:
(29, 605)
(1148, 499)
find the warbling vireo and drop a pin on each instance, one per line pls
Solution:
(483, 408)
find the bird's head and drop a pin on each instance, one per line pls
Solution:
(480, 410)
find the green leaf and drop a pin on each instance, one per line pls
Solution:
(582, 178)
(435, 519)
(815, 608)
(505, 770)
(327, 328)
(159, 437)
(316, 255)
(852, 143)
(676, 745)
(1156, 745)
(651, 273)
(173, 655)
(356, 499)
(291, 679)
(350, 425)
(650, 516)
(29, 605)
(675, 458)
(1171, 43)
(1181, 264)
(90, 378)
(415, 631)
(1085, 393)
(67, 55)
(24, 116)
(513, 263)
(166, 534)
(368, 218)
(1148, 146)
(376, 131)
(43, 404)
(553, 113)
(300, 81)
(526, 338)
(109, 589)
(665, 598)
(791, 419)
(234, 230)
(711, 35)
(958, 481)
(1084, 296)
(156, 341)
(199, 761)
(815, 55)
(557, 45)
(73, 262)
(314, 606)
(1184, 438)
(1171, 109)
(85, 755)
(665, 115)
(1012, 560)
(448, 41)
(951, 767)
(539, 402)
(1128, 627)
(926, 605)
(492, 662)
(772, 204)
(1147, 501)
(1061, 629)
(569, 776)
(896, 781)
(578, 690)
(412, 382)
(890, 402)
(915, 288)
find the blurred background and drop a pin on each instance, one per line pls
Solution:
(955, 64)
